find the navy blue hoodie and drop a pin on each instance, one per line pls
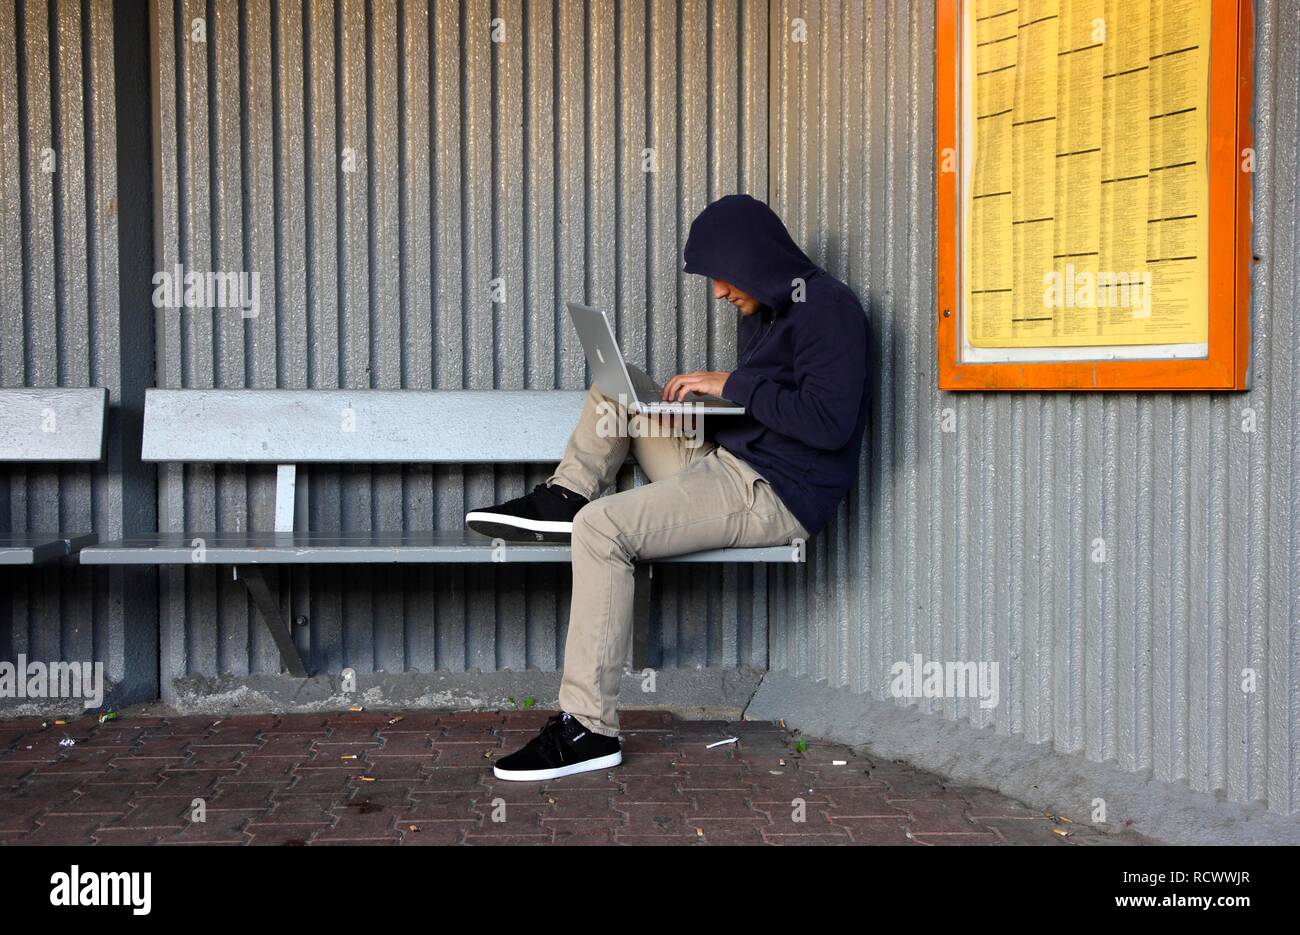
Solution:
(802, 365)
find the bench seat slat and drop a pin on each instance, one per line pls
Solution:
(361, 548)
(36, 548)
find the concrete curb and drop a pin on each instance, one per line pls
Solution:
(694, 693)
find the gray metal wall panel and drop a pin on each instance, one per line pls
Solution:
(976, 544)
(60, 320)
(379, 164)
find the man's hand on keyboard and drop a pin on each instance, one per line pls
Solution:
(704, 382)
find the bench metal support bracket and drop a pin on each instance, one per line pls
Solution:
(269, 608)
(286, 482)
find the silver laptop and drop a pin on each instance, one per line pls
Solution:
(615, 377)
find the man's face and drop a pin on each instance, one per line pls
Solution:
(747, 304)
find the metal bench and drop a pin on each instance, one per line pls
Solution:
(292, 427)
(49, 426)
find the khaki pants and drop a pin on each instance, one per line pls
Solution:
(698, 498)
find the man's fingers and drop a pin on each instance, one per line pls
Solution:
(678, 386)
(693, 383)
(673, 388)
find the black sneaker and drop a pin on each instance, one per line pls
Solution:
(545, 515)
(564, 747)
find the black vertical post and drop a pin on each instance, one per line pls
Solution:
(135, 588)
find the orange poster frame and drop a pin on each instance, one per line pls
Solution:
(1228, 363)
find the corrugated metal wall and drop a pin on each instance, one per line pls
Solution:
(977, 544)
(379, 164)
(60, 325)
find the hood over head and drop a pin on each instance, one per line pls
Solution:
(740, 240)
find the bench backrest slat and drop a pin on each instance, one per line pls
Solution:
(359, 426)
(52, 424)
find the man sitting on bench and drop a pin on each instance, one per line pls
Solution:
(769, 477)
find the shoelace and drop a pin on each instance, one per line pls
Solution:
(553, 491)
(540, 490)
(551, 736)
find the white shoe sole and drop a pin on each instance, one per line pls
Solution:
(518, 522)
(536, 775)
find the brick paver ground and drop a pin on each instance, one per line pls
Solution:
(424, 777)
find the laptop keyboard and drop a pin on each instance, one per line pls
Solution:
(650, 393)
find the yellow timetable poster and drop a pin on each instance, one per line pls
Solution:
(1087, 199)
